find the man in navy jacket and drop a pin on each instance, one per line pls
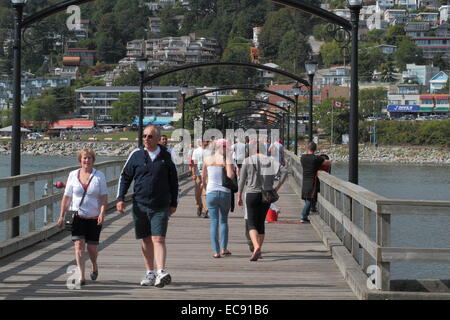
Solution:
(155, 199)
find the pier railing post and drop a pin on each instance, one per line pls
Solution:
(31, 214)
(383, 240)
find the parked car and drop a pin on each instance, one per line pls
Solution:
(108, 129)
(34, 136)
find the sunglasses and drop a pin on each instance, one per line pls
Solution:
(145, 136)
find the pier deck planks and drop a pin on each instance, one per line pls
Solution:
(295, 263)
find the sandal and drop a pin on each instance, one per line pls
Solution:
(216, 256)
(94, 275)
(255, 256)
(226, 253)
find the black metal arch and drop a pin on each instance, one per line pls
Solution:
(235, 64)
(240, 88)
(244, 100)
(248, 111)
(245, 122)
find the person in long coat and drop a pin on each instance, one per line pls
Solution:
(310, 164)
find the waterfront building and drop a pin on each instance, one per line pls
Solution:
(173, 51)
(86, 56)
(444, 13)
(32, 87)
(336, 75)
(96, 101)
(419, 74)
(417, 29)
(438, 82)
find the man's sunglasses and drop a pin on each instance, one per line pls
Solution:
(145, 136)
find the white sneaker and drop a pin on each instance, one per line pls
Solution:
(149, 279)
(162, 278)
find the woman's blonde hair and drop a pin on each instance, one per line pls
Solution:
(87, 151)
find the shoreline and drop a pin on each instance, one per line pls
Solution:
(337, 153)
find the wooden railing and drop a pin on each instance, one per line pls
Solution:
(48, 202)
(362, 221)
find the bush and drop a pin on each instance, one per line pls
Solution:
(430, 132)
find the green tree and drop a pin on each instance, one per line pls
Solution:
(332, 118)
(293, 52)
(129, 78)
(126, 108)
(371, 101)
(237, 50)
(387, 72)
(44, 108)
(408, 52)
(276, 25)
(331, 54)
(5, 117)
(109, 48)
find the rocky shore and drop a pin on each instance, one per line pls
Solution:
(338, 153)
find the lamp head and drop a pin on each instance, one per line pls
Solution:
(183, 90)
(18, 2)
(355, 3)
(311, 67)
(141, 64)
(204, 100)
(296, 90)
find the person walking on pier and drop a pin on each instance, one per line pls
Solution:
(218, 197)
(155, 199)
(310, 164)
(257, 174)
(89, 186)
(198, 156)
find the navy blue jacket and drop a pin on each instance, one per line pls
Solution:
(155, 182)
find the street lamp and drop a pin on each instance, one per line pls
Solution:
(141, 64)
(296, 90)
(355, 8)
(311, 67)
(18, 6)
(204, 103)
(183, 91)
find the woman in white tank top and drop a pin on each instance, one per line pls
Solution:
(218, 198)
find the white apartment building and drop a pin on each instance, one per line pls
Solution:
(395, 16)
(174, 50)
(443, 13)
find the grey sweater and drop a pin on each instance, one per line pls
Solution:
(258, 173)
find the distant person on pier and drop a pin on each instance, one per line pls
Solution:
(310, 164)
(257, 174)
(155, 199)
(326, 167)
(218, 197)
(198, 155)
(87, 225)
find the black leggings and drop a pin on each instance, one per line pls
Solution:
(256, 212)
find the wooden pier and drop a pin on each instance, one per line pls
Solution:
(295, 264)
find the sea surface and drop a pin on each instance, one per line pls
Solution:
(424, 182)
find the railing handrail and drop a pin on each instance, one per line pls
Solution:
(380, 207)
(31, 177)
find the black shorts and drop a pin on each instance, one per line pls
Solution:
(256, 212)
(86, 229)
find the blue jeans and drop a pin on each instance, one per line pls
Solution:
(218, 204)
(306, 209)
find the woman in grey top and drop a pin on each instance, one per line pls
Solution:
(257, 174)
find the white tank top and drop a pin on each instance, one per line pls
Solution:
(215, 180)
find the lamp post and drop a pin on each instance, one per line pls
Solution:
(141, 64)
(296, 90)
(288, 125)
(355, 8)
(183, 91)
(204, 103)
(311, 67)
(18, 6)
